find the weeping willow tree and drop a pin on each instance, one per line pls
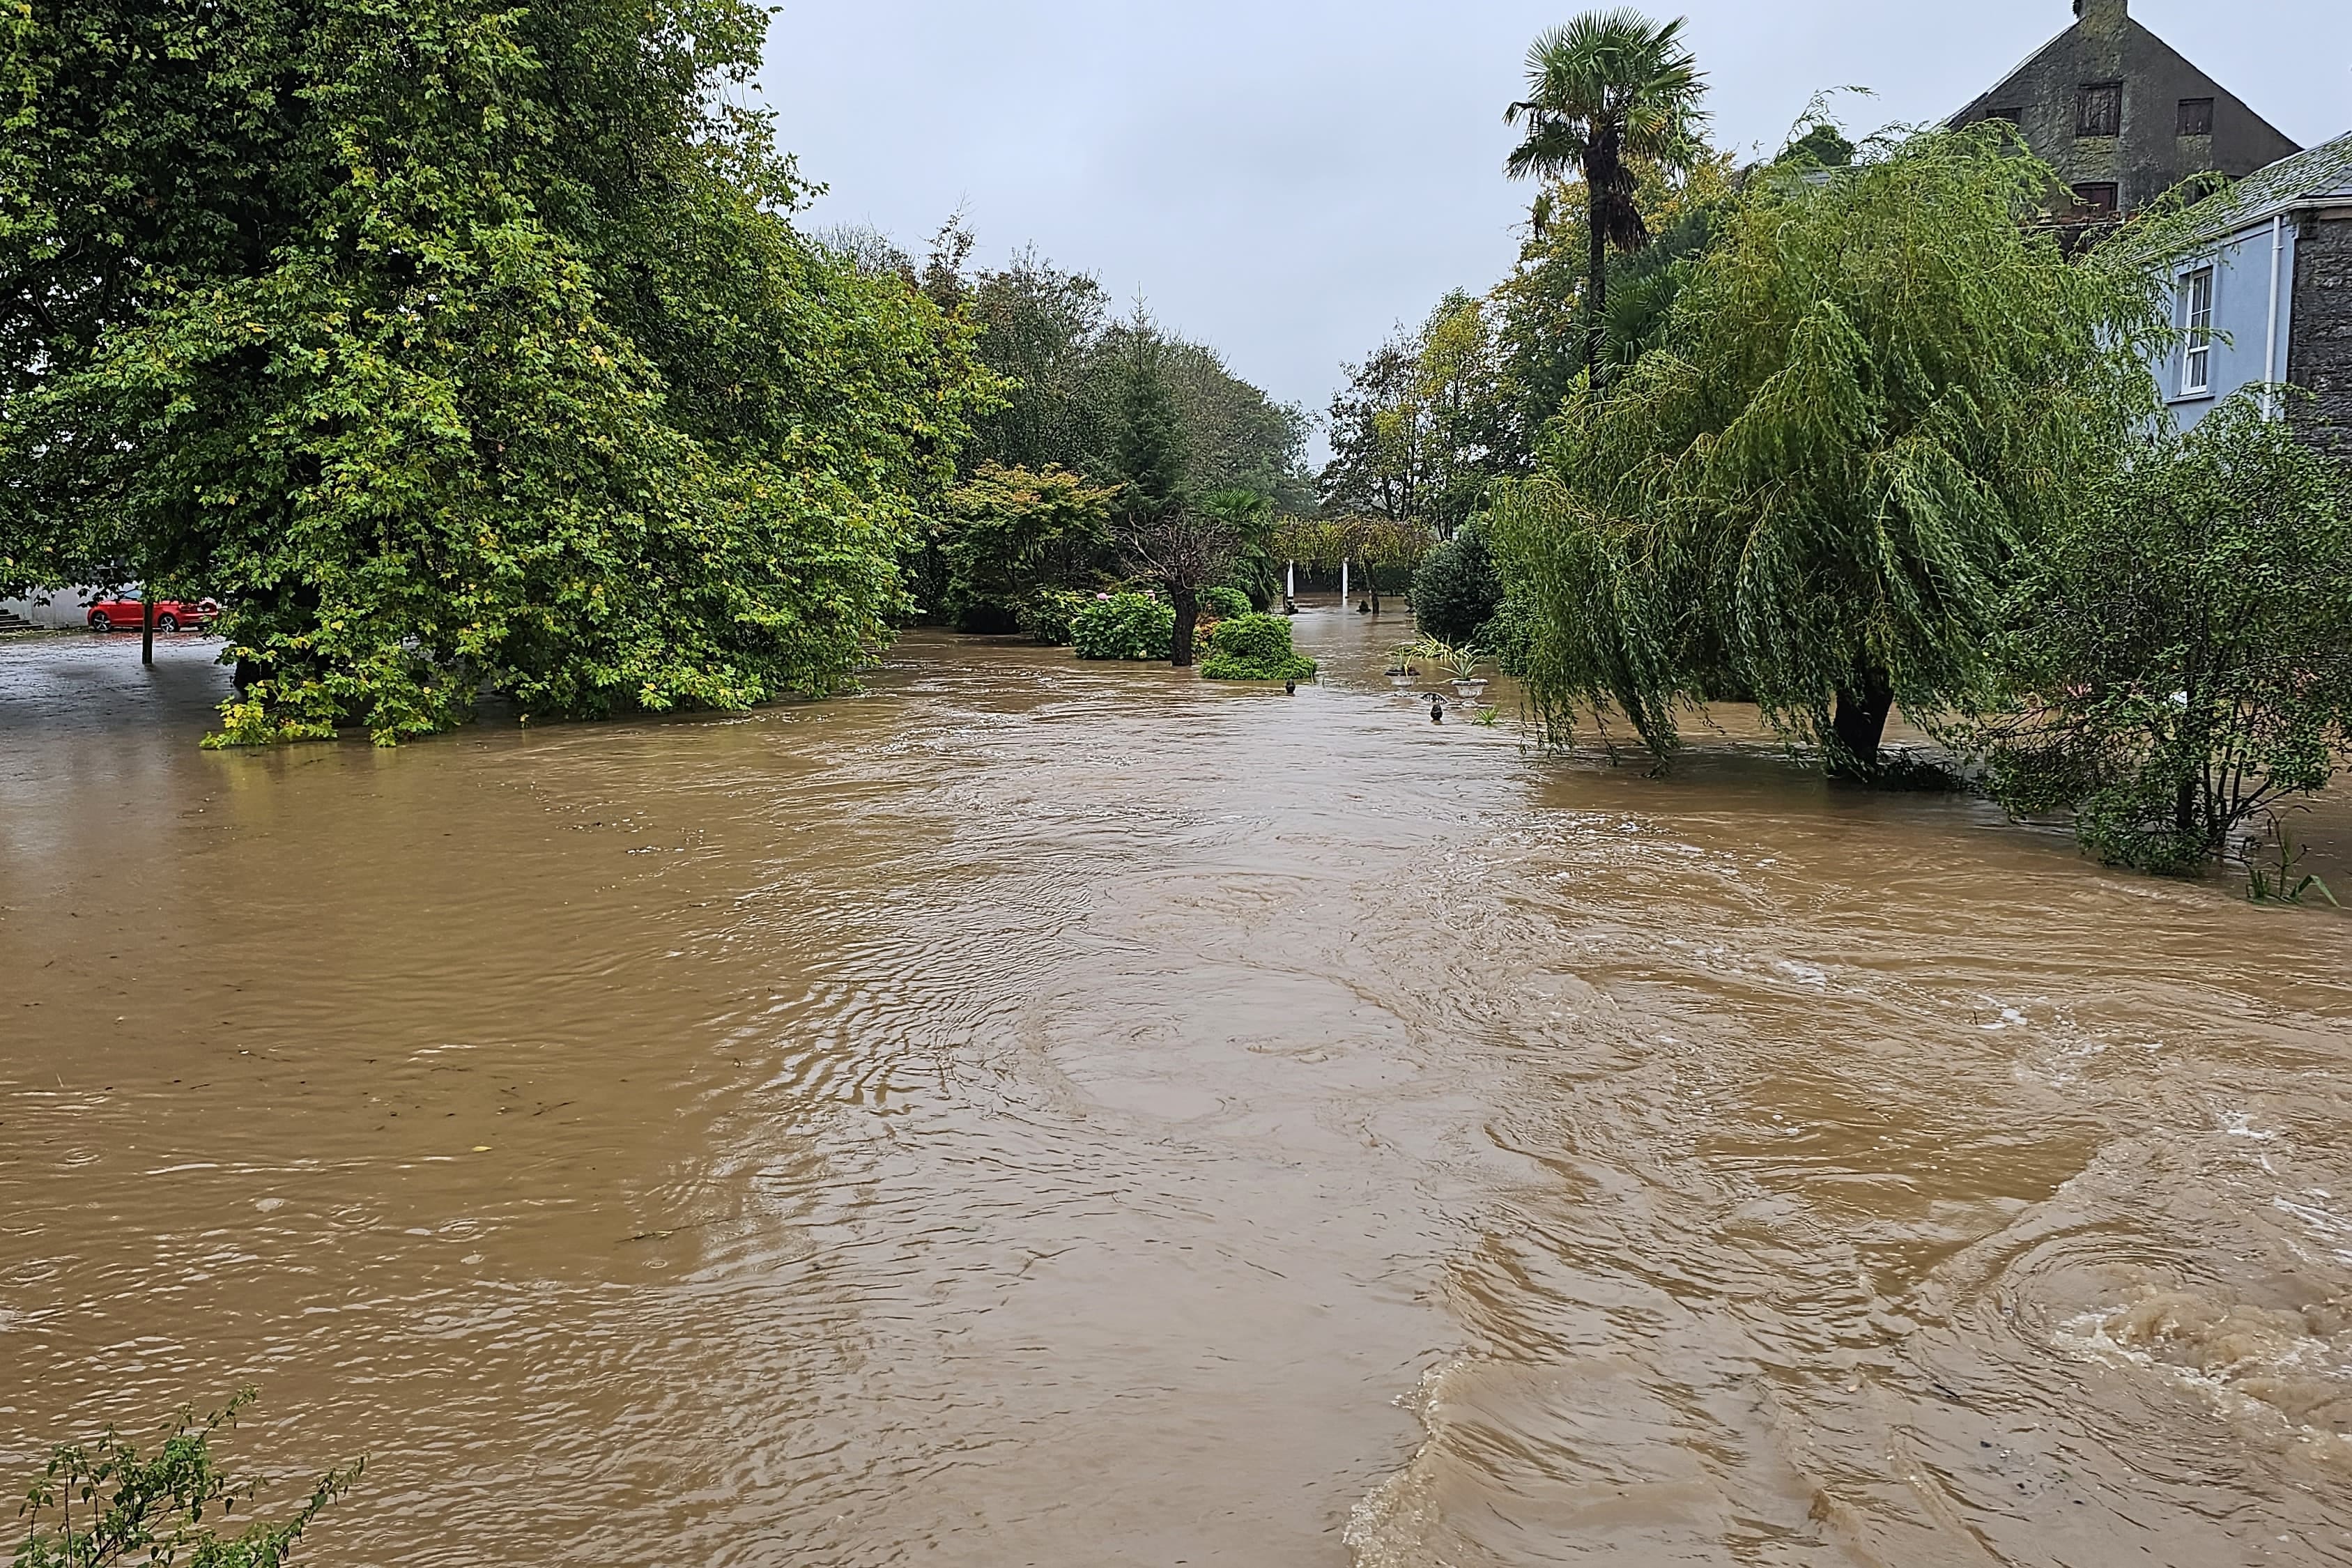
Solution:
(1871, 391)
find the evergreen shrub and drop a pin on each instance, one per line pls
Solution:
(1049, 614)
(1224, 604)
(1255, 648)
(1456, 590)
(1124, 625)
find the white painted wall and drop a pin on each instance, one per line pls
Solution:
(65, 608)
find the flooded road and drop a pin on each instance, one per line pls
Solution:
(1044, 1113)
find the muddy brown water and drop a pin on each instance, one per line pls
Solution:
(1038, 1113)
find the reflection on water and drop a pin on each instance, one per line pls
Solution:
(1039, 1112)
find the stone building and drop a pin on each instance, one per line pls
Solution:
(2124, 117)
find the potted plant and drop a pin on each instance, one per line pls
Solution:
(1402, 669)
(1462, 663)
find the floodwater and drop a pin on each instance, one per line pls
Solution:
(1040, 1113)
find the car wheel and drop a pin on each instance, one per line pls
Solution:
(167, 623)
(100, 624)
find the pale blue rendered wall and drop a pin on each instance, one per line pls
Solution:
(2242, 305)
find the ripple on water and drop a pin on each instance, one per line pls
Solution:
(1044, 1113)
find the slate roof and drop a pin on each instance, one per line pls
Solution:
(2322, 174)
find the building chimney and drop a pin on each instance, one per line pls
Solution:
(2106, 17)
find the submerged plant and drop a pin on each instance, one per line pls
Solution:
(101, 1504)
(1134, 626)
(1255, 648)
(2274, 880)
(1049, 616)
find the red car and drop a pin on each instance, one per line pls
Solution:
(171, 614)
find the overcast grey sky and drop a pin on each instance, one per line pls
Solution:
(1286, 179)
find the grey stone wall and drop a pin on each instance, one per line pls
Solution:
(2150, 157)
(2319, 335)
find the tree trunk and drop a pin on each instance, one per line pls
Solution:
(146, 627)
(1597, 274)
(1859, 724)
(1188, 610)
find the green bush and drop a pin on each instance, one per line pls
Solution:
(1255, 648)
(2179, 655)
(97, 1505)
(1224, 604)
(1049, 614)
(1124, 625)
(1457, 591)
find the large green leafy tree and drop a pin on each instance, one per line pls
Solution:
(453, 345)
(1237, 436)
(1045, 331)
(1066, 366)
(1011, 533)
(1458, 592)
(1070, 392)
(2178, 658)
(1425, 423)
(1606, 92)
(1873, 395)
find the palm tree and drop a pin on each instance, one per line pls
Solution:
(1605, 91)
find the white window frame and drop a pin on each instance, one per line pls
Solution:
(2196, 329)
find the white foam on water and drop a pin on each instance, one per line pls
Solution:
(2271, 1366)
(1394, 1524)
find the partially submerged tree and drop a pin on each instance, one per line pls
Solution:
(1183, 550)
(1606, 91)
(2181, 651)
(1873, 395)
(1456, 590)
(1010, 533)
(453, 346)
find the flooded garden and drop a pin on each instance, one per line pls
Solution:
(1036, 1112)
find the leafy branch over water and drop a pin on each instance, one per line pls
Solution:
(103, 1503)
